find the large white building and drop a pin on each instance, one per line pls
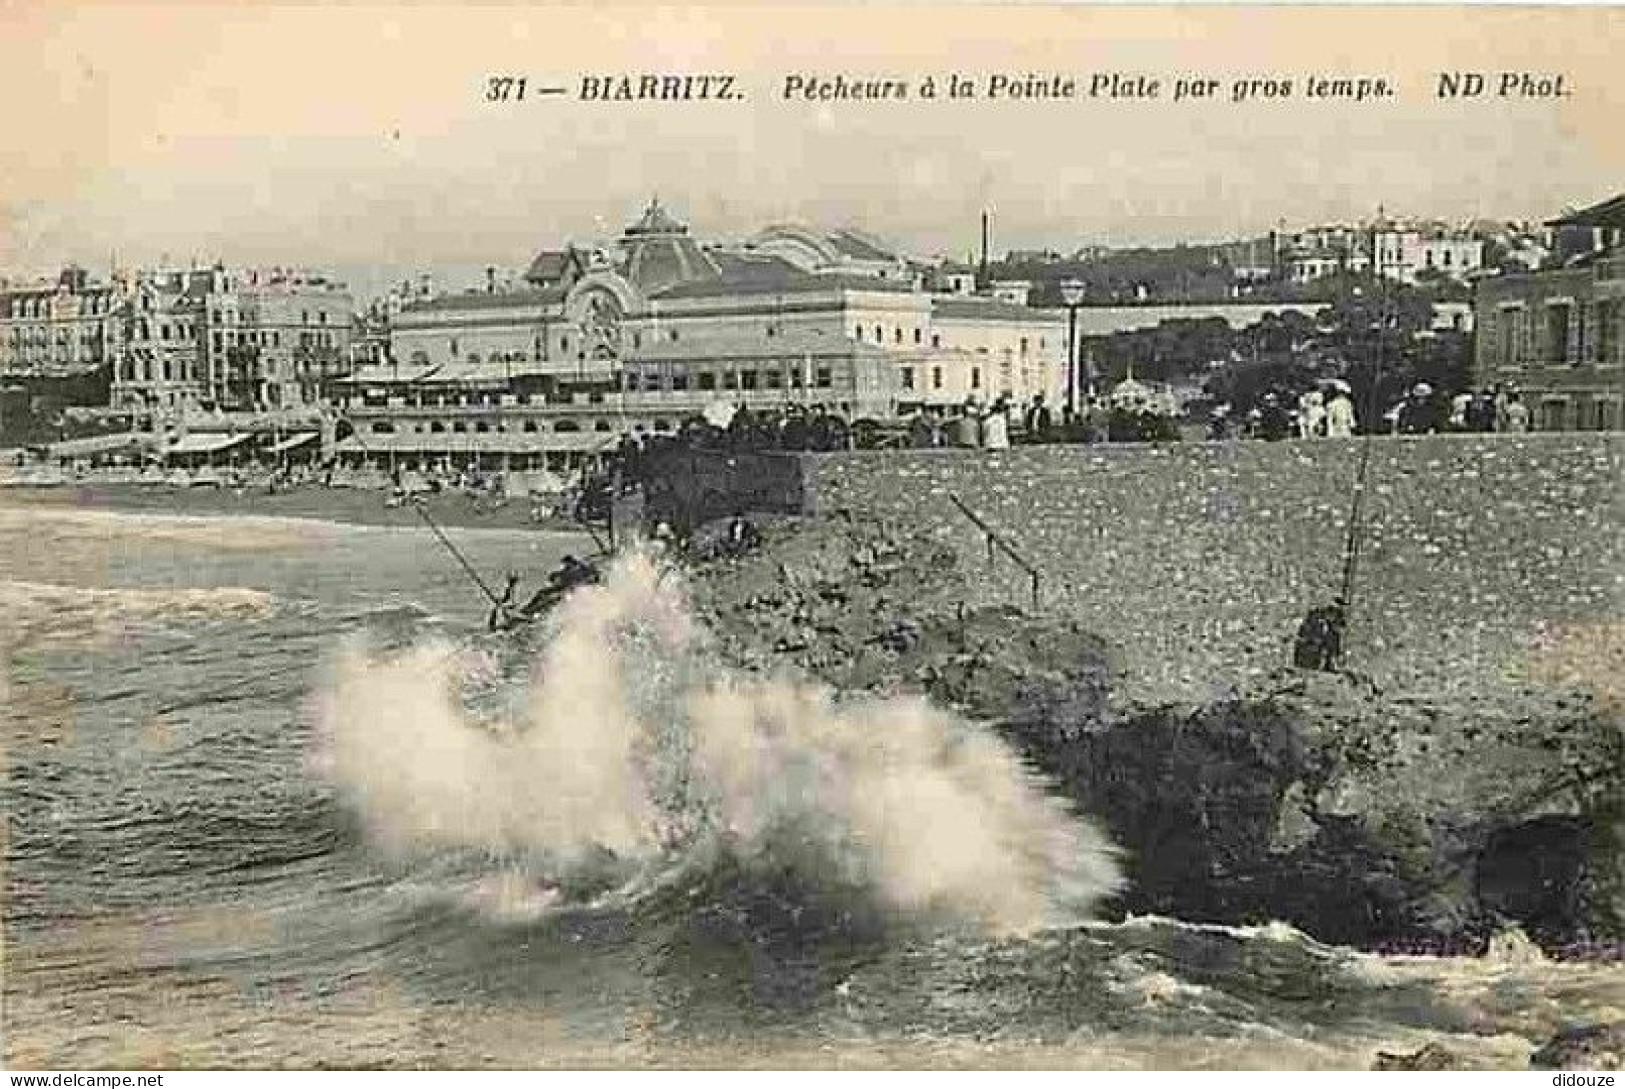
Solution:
(657, 329)
(1404, 251)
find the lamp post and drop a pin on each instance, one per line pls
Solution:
(1072, 292)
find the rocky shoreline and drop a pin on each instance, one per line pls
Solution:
(1381, 820)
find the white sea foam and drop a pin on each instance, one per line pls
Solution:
(631, 742)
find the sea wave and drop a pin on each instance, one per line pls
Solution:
(40, 527)
(632, 769)
(42, 614)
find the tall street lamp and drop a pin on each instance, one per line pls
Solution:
(1072, 292)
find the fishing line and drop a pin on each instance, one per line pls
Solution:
(1351, 547)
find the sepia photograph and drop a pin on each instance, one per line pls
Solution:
(863, 537)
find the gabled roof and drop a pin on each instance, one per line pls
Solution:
(551, 266)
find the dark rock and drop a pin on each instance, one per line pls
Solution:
(1360, 816)
(1431, 1057)
(1585, 1047)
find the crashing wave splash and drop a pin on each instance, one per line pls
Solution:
(632, 761)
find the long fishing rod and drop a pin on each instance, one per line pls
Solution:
(468, 567)
(430, 522)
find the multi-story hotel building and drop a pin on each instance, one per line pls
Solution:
(1558, 334)
(236, 342)
(602, 344)
(59, 328)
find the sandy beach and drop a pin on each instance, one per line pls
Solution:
(352, 506)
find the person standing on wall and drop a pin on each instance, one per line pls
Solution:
(1340, 418)
(996, 427)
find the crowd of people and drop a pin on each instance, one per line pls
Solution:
(1328, 412)
(1494, 409)
(974, 424)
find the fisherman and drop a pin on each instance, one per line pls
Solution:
(741, 537)
(1319, 645)
(502, 616)
(569, 574)
(572, 572)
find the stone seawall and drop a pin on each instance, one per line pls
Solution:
(1483, 556)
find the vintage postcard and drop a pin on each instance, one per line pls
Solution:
(850, 536)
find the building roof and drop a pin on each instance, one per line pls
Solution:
(851, 242)
(483, 300)
(1606, 213)
(656, 220)
(292, 442)
(207, 442)
(659, 252)
(763, 274)
(657, 262)
(550, 266)
(960, 306)
(101, 444)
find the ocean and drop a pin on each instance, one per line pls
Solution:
(274, 798)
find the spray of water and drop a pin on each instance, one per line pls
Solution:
(631, 743)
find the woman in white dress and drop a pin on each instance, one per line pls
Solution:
(996, 428)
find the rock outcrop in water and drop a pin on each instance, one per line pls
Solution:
(1364, 817)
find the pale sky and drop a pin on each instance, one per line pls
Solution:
(355, 137)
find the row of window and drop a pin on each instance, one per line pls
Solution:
(40, 307)
(40, 338)
(482, 427)
(745, 379)
(1582, 414)
(1561, 331)
(879, 337)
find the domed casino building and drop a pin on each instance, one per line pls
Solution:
(596, 343)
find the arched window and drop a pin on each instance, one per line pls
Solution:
(565, 427)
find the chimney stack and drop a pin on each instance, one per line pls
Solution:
(982, 269)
